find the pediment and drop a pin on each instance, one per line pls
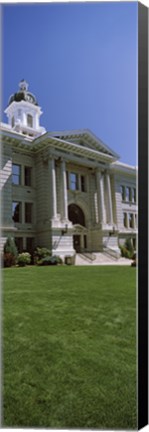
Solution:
(86, 139)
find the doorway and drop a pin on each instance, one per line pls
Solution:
(77, 242)
(76, 215)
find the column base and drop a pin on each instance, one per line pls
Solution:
(57, 222)
(108, 227)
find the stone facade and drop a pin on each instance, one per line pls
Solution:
(66, 191)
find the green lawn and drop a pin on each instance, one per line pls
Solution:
(69, 347)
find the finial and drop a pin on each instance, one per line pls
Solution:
(23, 85)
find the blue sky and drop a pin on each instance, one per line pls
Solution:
(80, 60)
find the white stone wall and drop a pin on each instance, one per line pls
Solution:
(6, 186)
(121, 206)
(127, 207)
(43, 216)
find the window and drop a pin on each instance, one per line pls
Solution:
(27, 176)
(73, 181)
(123, 192)
(28, 212)
(12, 122)
(16, 211)
(128, 194)
(130, 220)
(30, 244)
(76, 181)
(19, 243)
(29, 120)
(85, 241)
(67, 179)
(125, 220)
(83, 185)
(136, 220)
(16, 174)
(134, 195)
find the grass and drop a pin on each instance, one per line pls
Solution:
(69, 347)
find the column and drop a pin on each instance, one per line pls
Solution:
(64, 204)
(127, 216)
(109, 200)
(100, 197)
(53, 198)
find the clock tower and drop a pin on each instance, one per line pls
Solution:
(23, 112)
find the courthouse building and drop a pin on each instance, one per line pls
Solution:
(66, 191)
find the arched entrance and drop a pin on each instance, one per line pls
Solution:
(77, 217)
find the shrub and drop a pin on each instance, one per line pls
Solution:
(44, 261)
(24, 259)
(9, 259)
(50, 260)
(10, 253)
(10, 247)
(57, 259)
(129, 247)
(124, 252)
(41, 253)
(127, 250)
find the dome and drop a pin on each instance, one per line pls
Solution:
(23, 94)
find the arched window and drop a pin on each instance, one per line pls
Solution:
(29, 120)
(12, 121)
(76, 215)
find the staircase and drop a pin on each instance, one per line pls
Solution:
(99, 258)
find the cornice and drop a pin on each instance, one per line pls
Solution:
(120, 167)
(50, 144)
(22, 103)
(47, 139)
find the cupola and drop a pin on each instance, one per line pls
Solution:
(23, 112)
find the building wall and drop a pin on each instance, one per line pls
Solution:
(43, 216)
(121, 206)
(39, 194)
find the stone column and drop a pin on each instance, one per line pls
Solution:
(127, 217)
(100, 197)
(64, 204)
(53, 198)
(109, 200)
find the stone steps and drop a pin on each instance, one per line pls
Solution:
(99, 258)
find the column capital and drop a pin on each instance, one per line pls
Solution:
(52, 156)
(62, 159)
(98, 171)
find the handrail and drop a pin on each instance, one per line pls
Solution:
(113, 254)
(87, 255)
